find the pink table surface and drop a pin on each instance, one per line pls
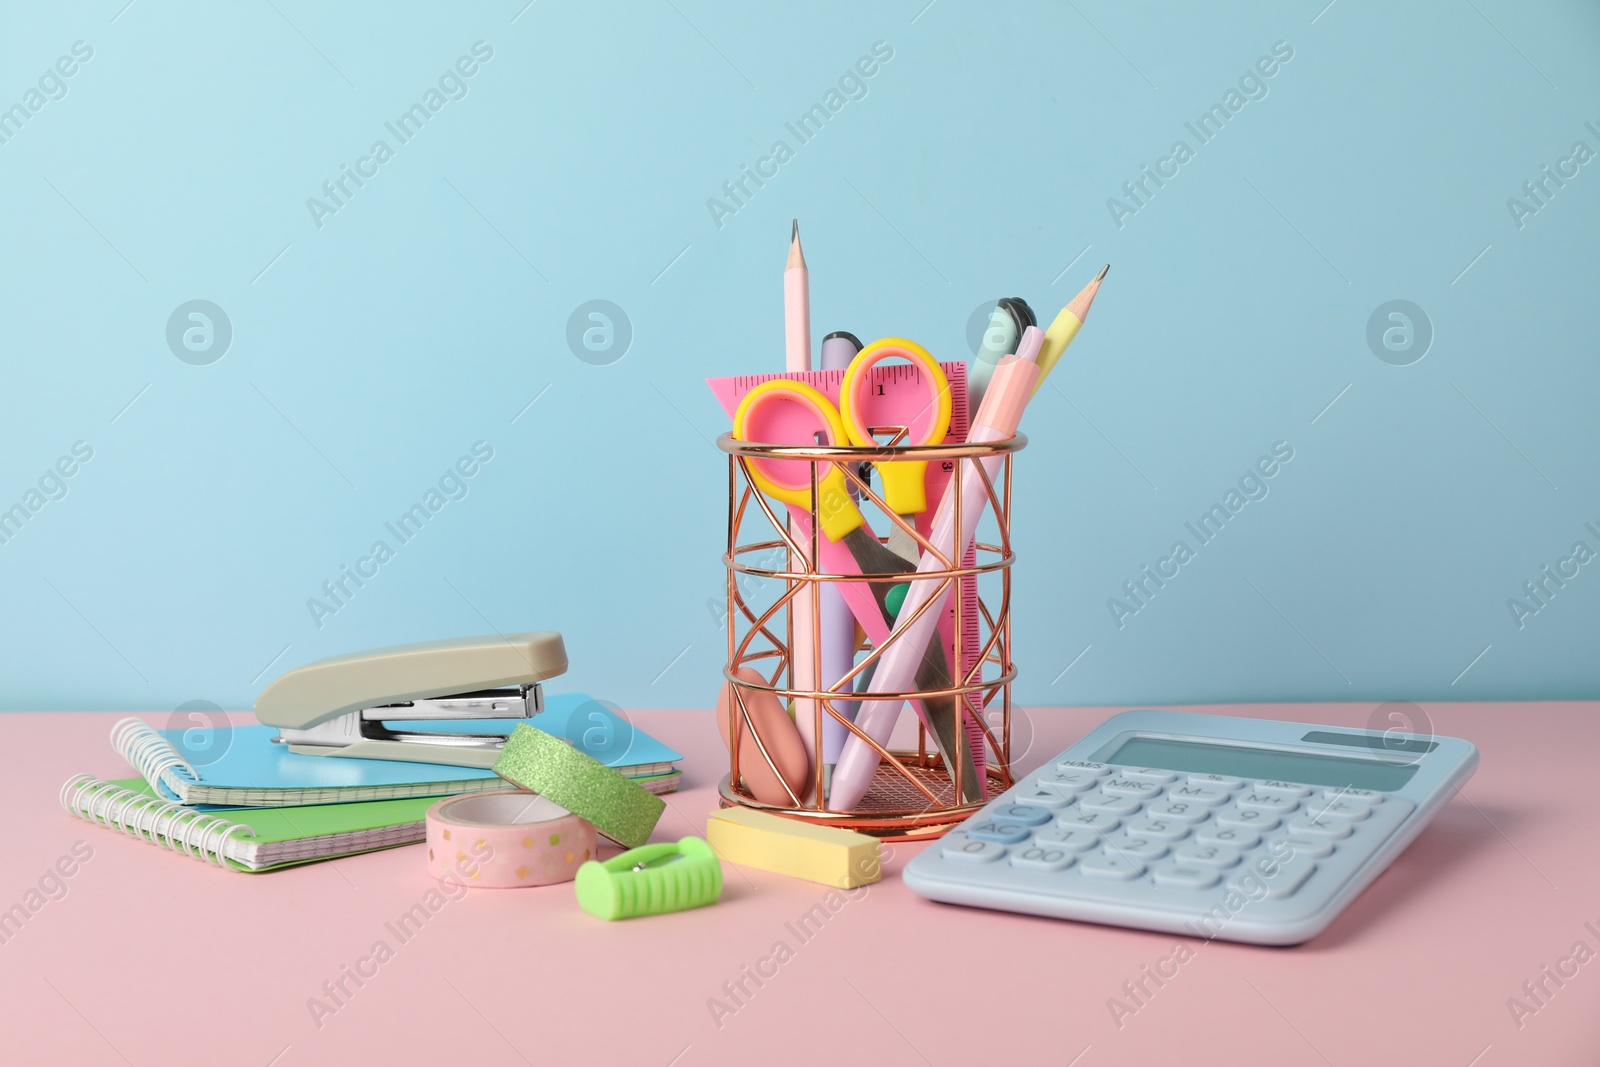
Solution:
(153, 958)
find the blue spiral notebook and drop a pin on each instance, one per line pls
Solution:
(583, 722)
(253, 770)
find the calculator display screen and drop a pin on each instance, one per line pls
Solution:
(1206, 757)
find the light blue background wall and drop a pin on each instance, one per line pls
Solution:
(371, 352)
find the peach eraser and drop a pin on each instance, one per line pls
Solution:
(779, 736)
(843, 859)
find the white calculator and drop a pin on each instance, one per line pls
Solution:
(1204, 825)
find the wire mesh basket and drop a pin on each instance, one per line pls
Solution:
(773, 562)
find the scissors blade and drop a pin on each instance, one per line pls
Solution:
(934, 673)
(904, 545)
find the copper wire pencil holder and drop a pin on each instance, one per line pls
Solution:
(914, 795)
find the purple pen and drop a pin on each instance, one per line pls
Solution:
(838, 627)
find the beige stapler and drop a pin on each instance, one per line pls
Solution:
(338, 706)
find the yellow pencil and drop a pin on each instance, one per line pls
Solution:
(1066, 326)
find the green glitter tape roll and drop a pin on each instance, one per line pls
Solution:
(536, 761)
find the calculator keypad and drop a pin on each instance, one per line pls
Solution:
(1156, 838)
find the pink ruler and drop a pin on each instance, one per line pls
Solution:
(903, 395)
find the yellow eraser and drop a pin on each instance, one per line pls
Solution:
(843, 859)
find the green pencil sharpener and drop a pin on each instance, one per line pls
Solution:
(652, 880)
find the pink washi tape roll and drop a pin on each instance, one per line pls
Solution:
(506, 839)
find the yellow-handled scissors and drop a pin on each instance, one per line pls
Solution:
(915, 417)
(781, 411)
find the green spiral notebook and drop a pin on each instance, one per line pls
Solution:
(247, 839)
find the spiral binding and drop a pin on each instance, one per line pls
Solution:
(147, 751)
(195, 833)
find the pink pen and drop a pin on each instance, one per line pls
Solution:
(1008, 394)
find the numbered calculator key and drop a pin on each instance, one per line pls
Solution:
(1286, 878)
(1122, 843)
(1260, 800)
(1003, 832)
(1108, 805)
(1117, 868)
(1181, 810)
(1254, 820)
(1076, 839)
(1222, 781)
(1042, 858)
(1172, 875)
(1044, 797)
(1025, 814)
(1206, 856)
(971, 850)
(1122, 786)
(1073, 819)
(1199, 794)
(1168, 830)
(1149, 774)
(1329, 826)
(1354, 810)
(1226, 836)
(1099, 770)
(1288, 789)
